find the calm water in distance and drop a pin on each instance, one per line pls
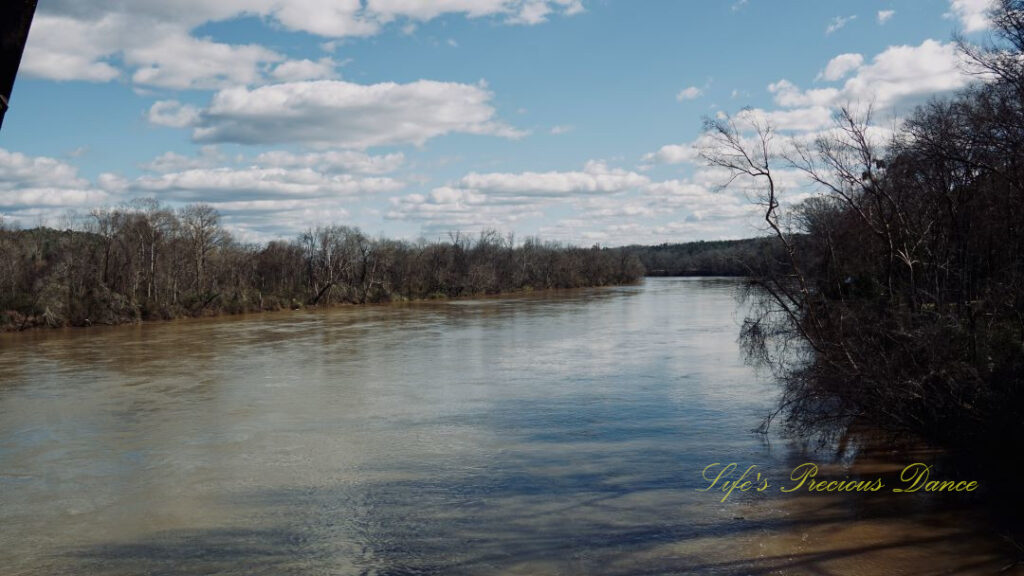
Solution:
(557, 433)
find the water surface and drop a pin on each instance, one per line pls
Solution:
(556, 433)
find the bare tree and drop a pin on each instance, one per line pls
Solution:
(200, 225)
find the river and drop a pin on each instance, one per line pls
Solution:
(554, 433)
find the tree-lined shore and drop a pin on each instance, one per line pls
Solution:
(708, 258)
(145, 261)
(900, 300)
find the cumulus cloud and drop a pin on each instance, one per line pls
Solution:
(329, 18)
(689, 93)
(514, 11)
(595, 178)
(224, 184)
(280, 193)
(179, 61)
(840, 66)
(18, 170)
(503, 199)
(667, 211)
(899, 76)
(892, 81)
(447, 209)
(299, 70)
(906, 72)
(152, 41)
(37, 186)
(799, 119)
(672, 154)
(208, 157)
(885, 15)
(790, 95)
(513, 200)
(334, 161)
(348, 115)
(172, 113)
(160, 54)
(276, 193)
(972, 15)
(65, 48)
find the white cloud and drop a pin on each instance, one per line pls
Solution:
(595, 178)
(330, 18)
(334, 161)
(904, 72)
(893, 81)
(223, 184)
(152, 41)
(348, 115)
(447, 209)
(840, 66)
(972, 15)
(626, 208)
(531, 13)
(179, 61)
(885, 15)
(573, 7)
(172, 113)
(897, 77)
(561, 129)
(798, 119)
(789, 95)
(34, 187)
(18, 170)
(668, 211)
(208, 157)
(161, 54)
(505, 200)
(276, 193)
(263, 200)
(672, 154)
(604, 208)
(838, 23)
(515, 11)
(689, 93)
(63, 48)
(299, 70)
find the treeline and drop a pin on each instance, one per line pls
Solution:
(903, 305)
(146, 261)
(708, 258)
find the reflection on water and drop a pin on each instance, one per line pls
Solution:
(543, 434)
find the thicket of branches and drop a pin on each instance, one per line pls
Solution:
(902, 305)
(146, 261)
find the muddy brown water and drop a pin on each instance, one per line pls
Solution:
(556, 433)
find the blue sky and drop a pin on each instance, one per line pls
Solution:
(573, 120)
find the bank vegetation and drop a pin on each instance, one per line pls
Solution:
(900, 301)
(146, 261)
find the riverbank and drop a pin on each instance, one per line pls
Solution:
(147, 262)
(40, 323)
